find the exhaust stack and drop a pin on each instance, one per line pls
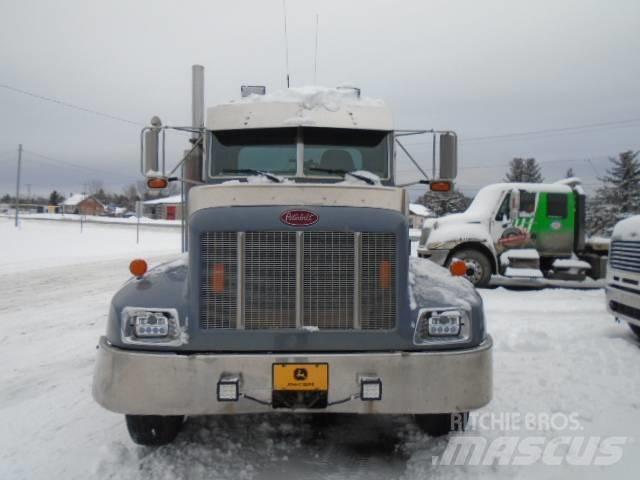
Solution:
(193, 165)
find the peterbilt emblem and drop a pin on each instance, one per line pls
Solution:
(299, 218)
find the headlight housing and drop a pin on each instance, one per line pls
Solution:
(157, 326)
(442, 326)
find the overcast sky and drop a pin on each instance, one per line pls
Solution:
(482, 68)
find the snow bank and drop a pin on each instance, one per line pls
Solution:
(429, 283)
(72, 217)
(40, 244)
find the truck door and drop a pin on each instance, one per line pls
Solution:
(555, 225)
(514, 230)
(501, 221)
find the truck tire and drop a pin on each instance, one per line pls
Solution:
(439, 424)
(479, 272)
(153, 430)
(635, 329)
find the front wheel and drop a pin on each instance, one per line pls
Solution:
(439, 424)
(478, 266)
(635, 329)
(153, 430)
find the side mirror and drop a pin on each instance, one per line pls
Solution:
(448, 155)
(151, 146)
(514, 204)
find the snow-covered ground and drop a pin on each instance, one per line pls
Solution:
(557, 353)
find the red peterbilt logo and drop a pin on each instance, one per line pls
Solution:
(299, 218)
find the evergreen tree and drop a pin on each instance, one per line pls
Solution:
(619, 196)
(6, 198)
(55, 198)
(524, 170)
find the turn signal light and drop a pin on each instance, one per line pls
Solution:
(440, 186)
(217, 280)
(157, 183)
(138, 267)
(385, 274)
(458, 268)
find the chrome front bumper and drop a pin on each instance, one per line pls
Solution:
(623, 297)
(147, 383)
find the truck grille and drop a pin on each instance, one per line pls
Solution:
(328, 280)
(625, 255)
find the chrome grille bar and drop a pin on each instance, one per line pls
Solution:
(270, 280)
(328, 272)
(378, 281)
(218, 296)
(625, 255)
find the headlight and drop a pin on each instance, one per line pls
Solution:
(159, 326)
(446, 325)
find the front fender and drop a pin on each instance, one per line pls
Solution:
(164, 286)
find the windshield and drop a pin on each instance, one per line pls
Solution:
(272, 150)
(275, 150)
(346, 150)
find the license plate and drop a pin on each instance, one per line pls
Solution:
(304, 377)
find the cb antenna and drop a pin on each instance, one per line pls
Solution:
(315, 56)
(286, 40)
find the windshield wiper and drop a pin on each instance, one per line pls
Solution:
(270, 176)
(343, 173)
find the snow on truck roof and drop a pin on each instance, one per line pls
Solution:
(627, 229)
(304, 106)
(530, 187)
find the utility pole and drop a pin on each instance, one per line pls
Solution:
(18, 182)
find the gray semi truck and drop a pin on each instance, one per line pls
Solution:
(296, 292)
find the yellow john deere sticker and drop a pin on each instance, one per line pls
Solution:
(301, 376)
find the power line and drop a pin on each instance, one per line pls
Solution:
(543, 132)
(47, 158)
(69, 105)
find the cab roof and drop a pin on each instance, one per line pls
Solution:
(305, 106)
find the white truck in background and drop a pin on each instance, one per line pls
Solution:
(623, 277)
(524, 231)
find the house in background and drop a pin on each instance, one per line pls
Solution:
(417, 215)
(82, 204)
(168, 208)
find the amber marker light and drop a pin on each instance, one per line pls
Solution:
(385, 274)
(217, 279)
(440, 186)
(458, 268)
(138, 267)
(157, 183)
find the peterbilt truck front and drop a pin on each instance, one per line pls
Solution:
(297, 292)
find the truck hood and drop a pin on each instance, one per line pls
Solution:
(451, 234)
(333, 195)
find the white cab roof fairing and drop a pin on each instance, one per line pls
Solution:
(296, 194)
(306, 106)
